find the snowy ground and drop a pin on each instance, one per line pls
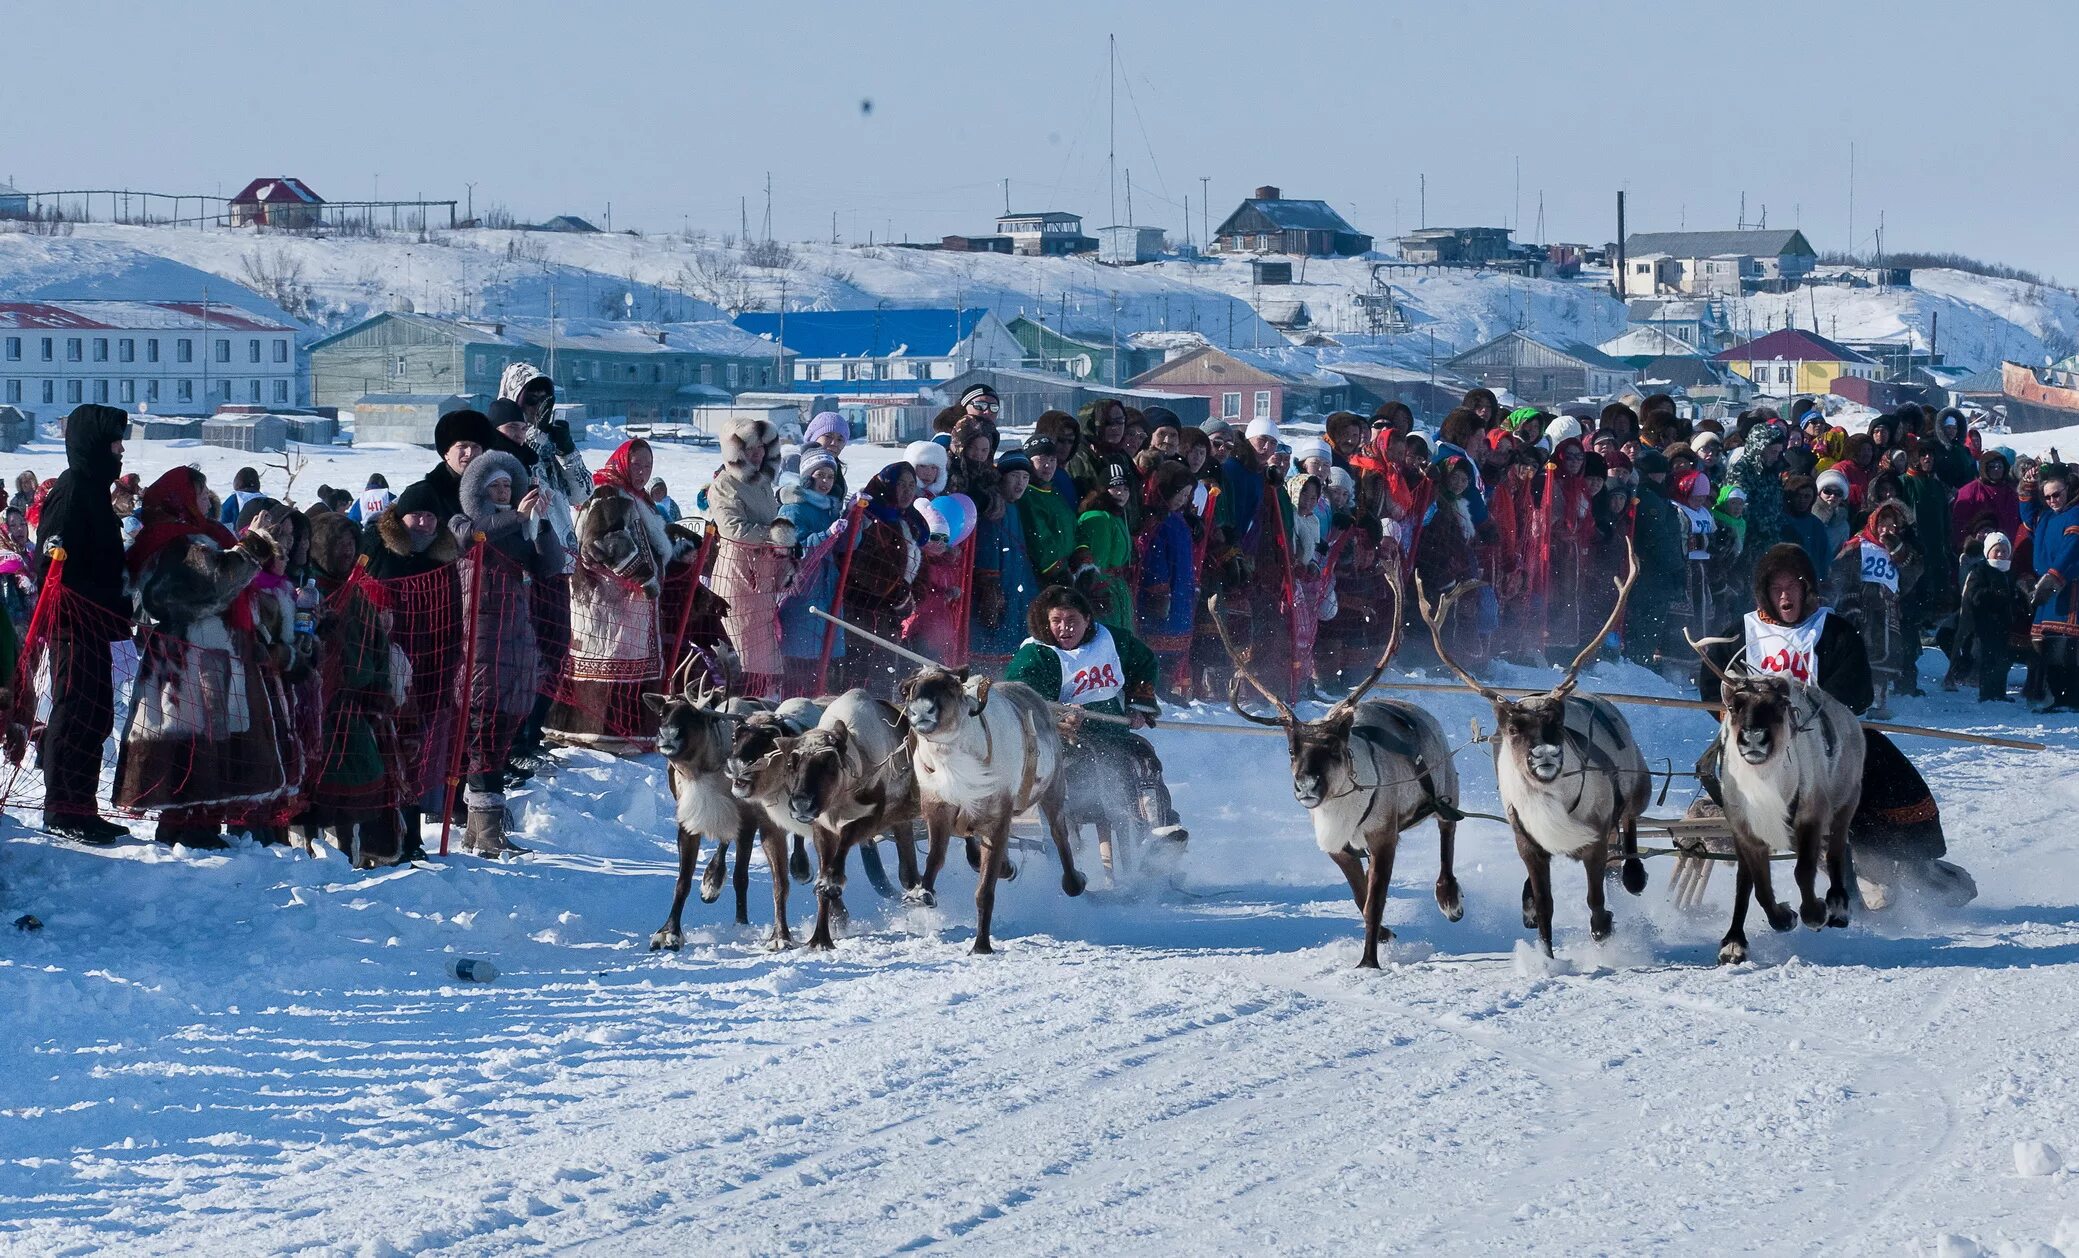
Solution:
(258, 1052)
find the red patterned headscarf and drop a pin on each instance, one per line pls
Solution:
(619, 470)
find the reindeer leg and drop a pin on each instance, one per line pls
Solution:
(1732, 950)
(1634, 868)
(876, 873)
(938, 827)
(1809, 908)
(1382, 851)
(1072, 879)
(670, 935)
(717, 870)
(1781, 918)
(775, 853)
(974, 852)
(1352, 866)
(1837, 870)
(1448, 897)
(798, 865)
(993, 845)
(1596, 860)
(745, 833)
(1537, 891)
(828, 845)
(905, 837)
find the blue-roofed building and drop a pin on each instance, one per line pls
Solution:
(884, 350)
(1269, 222)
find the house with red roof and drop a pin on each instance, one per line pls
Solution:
(1790, 361)
(276, 202)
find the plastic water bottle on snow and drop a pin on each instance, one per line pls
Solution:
(472, 970)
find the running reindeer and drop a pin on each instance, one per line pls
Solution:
(983, 754)
(758, 776)
(1570, 773)
(695, 730)
(1368, 770)
(1789, 776)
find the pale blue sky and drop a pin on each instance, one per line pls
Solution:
(1963, 116)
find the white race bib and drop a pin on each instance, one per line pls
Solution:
(1877, 567)
(1792, 650)
(375, 501)
(1091, 673)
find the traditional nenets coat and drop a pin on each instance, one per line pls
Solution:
(200, 744)
(618, 635)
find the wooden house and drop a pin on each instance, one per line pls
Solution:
(1270, 222)
(1541, 369)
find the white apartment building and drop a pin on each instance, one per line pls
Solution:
(162, 357)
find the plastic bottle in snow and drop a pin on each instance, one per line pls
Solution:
(472, 970)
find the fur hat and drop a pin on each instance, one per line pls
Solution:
(742, 434)
(919, 453)
(482, 470)
(465, 425)
(1832, 476)
(332, 531)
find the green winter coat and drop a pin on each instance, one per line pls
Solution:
(1111, 549)
(1037, 666)
(1050, 527)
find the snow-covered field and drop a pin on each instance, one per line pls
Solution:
(258, 1052)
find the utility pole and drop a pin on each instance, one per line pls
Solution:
(1204, 209)
(768, 206)
(1007, 194)
(1129, 200)
(1424, 214)
(472, 201)
(1111, 155)
(833, 227)
(1516, 214)
(1851, 200)
(743, 218)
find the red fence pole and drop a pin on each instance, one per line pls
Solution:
(476, 585)
(678, 637)
(837, 600)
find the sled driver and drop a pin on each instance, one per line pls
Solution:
(1895, 836)
(1090, 668)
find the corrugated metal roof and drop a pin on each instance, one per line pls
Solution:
(1792, 345)
(133, 315)
(927, 333)
(1760, 244)
(277, 191)
(1294, 215)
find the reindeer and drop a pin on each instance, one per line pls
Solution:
(694, 733)
(1569, 771)
(1790, 760)
(758, 776)
(982, 755)
(1365, 772)
(848, 780)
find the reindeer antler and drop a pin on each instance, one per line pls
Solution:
(1435, 620)
(1595, 644)
(1698, 645)
(1350, 701)
(1286, 716)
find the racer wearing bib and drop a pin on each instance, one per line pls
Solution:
(1088, 667)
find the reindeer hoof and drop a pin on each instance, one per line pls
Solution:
(974, 853)
(821, 943)
(1600, 924)
(920, 897)
(1812, 913)
(667, 939)
(1530, 907)
(1732, 952)
(1073, 882)
(1837, 908)
(710, 889)
(798, 866)
(1634, 875)
(778, 942)
(1450, 901)
(1781, 918)
(1370, 961)
(982, 948)
(1008, 872)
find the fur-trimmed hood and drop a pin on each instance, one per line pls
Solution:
(476, 503)
(393, 535)
(1784, 557)
(740, 435)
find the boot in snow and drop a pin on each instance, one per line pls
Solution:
(485, 834)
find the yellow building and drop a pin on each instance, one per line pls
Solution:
(1789, 362)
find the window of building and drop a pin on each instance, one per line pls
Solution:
(730, 373)
(1230, 406)
(75, 391)
(50, 392)
(46, 353)
(707, 373)
(14, 349)
(151, 349)
(852, 370)
(281, 391)
(126, 350)
(74, 349)
(764, 376)
(632, 371)
(657, 373)
(252, 350)
(100, 349)
(252, 387)
(126, 390)
(14, 390)
(184, 350)
(101, 390)
(151, 390)
(223, 350)
(184, 389)
(1262, 404)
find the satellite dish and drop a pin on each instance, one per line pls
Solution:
(1081, 366)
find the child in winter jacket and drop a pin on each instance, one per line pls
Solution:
(1985, 618)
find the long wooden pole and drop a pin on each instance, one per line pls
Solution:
(1666, 701)
(928, 662)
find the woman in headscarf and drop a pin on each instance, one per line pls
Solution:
(200, 742)
(619, 635)
(1565, 537)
